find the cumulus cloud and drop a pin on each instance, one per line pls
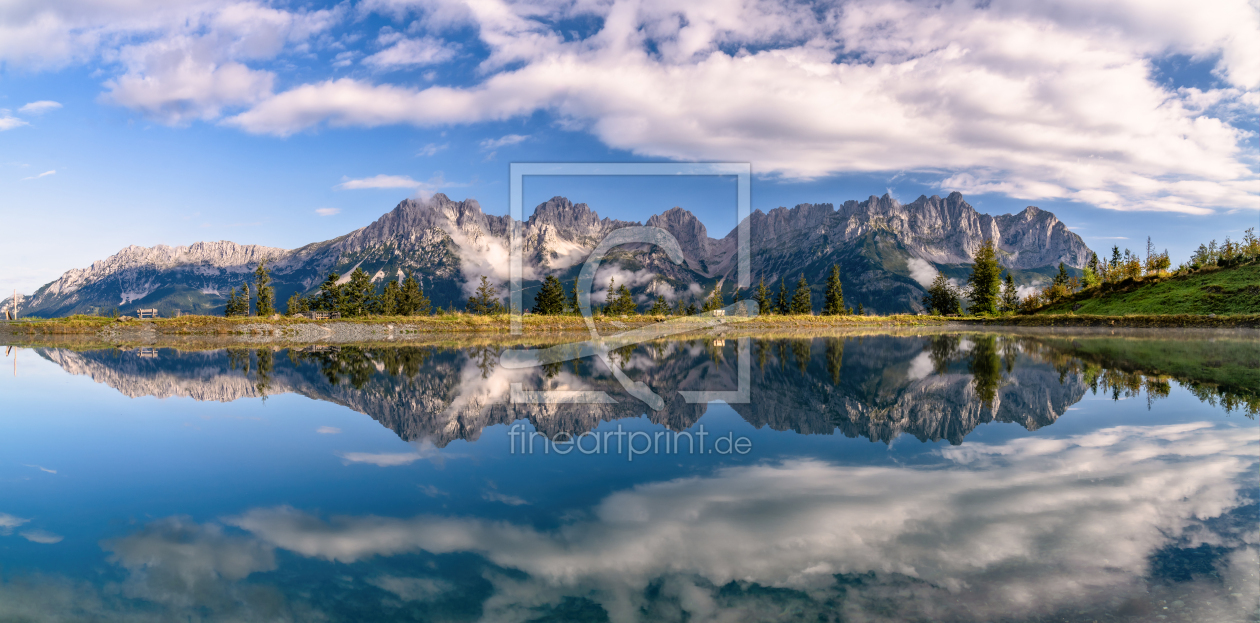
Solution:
(43, 537)
(40, 107)
(1032, 100)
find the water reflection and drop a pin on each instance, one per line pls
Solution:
(1119, 524)
(934, 388)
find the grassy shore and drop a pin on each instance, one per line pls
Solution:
(458, 323)
(1220, 291)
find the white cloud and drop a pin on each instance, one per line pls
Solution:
(328, 430)
(8, 122)
(403, 53)
(381, 459)
(1033, 100)
(42, 537)
(510, 500)
(39, 108)
(921, 271)
(432, 149)
(9, 522)
(44, 174)
(999, 531)
(327, 211)
(510, 139)
(380, 181)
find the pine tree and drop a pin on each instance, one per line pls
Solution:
(359, 294)
(229, 309)
(486, 300)
(942, 299)
(713, 301)
(860, 311)
(800, 299)
(783, 305)
(242, 302)
(1010, 296)
(297, 304)
(550, 299)
(266, 294)
(331, 296)
(659, 308)
(391, 299)
(1062, 278)
(833, 299)
(619, 301)
(573, 298)
(762, 296)
(691, 309)
(411, 300)
(985, 280)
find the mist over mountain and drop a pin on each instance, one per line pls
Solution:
(887, 251)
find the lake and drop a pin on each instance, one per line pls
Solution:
(934, 476)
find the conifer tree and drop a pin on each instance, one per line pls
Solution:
(297, 304)
(359, 294)
(691, 309)
(486, 300)
(331, 294)
(242, 302)
(266, 294)
(800, 299)
(550, 299)
(391, 299)
(860, 311)
(941, 298)
(229, 309)
(714, 300)
(985, 280)
(659, 308)
(762, 296)
(619, 301)
(573, 298)
(833, 299)
(1010, 296)
(783, 305)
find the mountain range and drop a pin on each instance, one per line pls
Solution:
(888, 253)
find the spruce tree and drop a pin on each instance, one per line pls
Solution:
(550, 299)
(783, 305)
(486, 300)
(800, 298)
(762, 296)
(242, 302)
(359, 294)
(266, 294)
(659, 308)
(296, 305)
(573, 298)
(985, 280)
(942, 298)
(331, 294)
(691, 309)
(714, 300)
(833, 299)
(860, 311)
(391, 299)
(412, 301)
(619, 301)
(1010, 296)
(229, 309)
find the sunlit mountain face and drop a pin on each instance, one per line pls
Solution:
(913, 477)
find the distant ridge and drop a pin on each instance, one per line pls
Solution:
(887, 251)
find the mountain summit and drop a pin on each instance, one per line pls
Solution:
(888, 252)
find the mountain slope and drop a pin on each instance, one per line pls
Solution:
(887, 251)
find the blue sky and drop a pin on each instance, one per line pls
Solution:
(286, 123)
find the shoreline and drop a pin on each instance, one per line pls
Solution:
(205, 332)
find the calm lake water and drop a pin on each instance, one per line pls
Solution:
(947, 477)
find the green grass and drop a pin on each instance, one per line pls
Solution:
(1224, 292)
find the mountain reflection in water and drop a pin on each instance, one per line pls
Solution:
(938, 387)
(1141, 510)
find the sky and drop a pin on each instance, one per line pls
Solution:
(283, 123)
